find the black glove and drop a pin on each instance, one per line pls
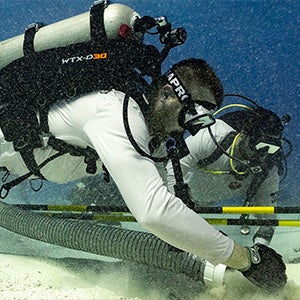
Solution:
(267, 269)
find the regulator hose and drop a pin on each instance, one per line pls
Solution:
(130, 245)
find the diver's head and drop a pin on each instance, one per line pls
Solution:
(200, 81)
(119, 22)
(178, 97)
(261, 133)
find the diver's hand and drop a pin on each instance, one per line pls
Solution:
(267, 269)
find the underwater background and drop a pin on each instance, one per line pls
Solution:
(254, 47)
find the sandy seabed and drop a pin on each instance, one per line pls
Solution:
(33, 278)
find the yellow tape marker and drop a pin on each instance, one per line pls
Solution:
(248, 210)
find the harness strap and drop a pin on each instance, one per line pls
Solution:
(97, 28)
(6, 187)
(29, 34)
(43, 113)
(225, 144)
(176, 149)
(30, 162)
(90, 158)
(90, 155)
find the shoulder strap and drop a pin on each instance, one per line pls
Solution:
(98, 33)
(29, 34)
(225, 144)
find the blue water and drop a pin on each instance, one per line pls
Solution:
(252, 45)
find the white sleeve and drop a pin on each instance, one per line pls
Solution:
(142, 188)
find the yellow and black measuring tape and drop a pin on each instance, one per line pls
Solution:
(122, 214)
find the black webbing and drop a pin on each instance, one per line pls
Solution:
(29, 34)
(225, 144)
(98, 34)
(89, 154)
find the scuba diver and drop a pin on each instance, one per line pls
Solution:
(240, 156)
(121, 130)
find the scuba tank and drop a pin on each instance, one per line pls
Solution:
(118, 22)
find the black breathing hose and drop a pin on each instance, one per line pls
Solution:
(137, 246)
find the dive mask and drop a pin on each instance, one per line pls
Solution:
(193, 122)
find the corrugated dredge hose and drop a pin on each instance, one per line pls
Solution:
(140, 247)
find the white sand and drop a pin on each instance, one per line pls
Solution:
(26, 277)
(31, 278)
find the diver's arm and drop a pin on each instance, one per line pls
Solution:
(142, 188)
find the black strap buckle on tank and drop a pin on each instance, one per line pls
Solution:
(29, 34)
(97, 28)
